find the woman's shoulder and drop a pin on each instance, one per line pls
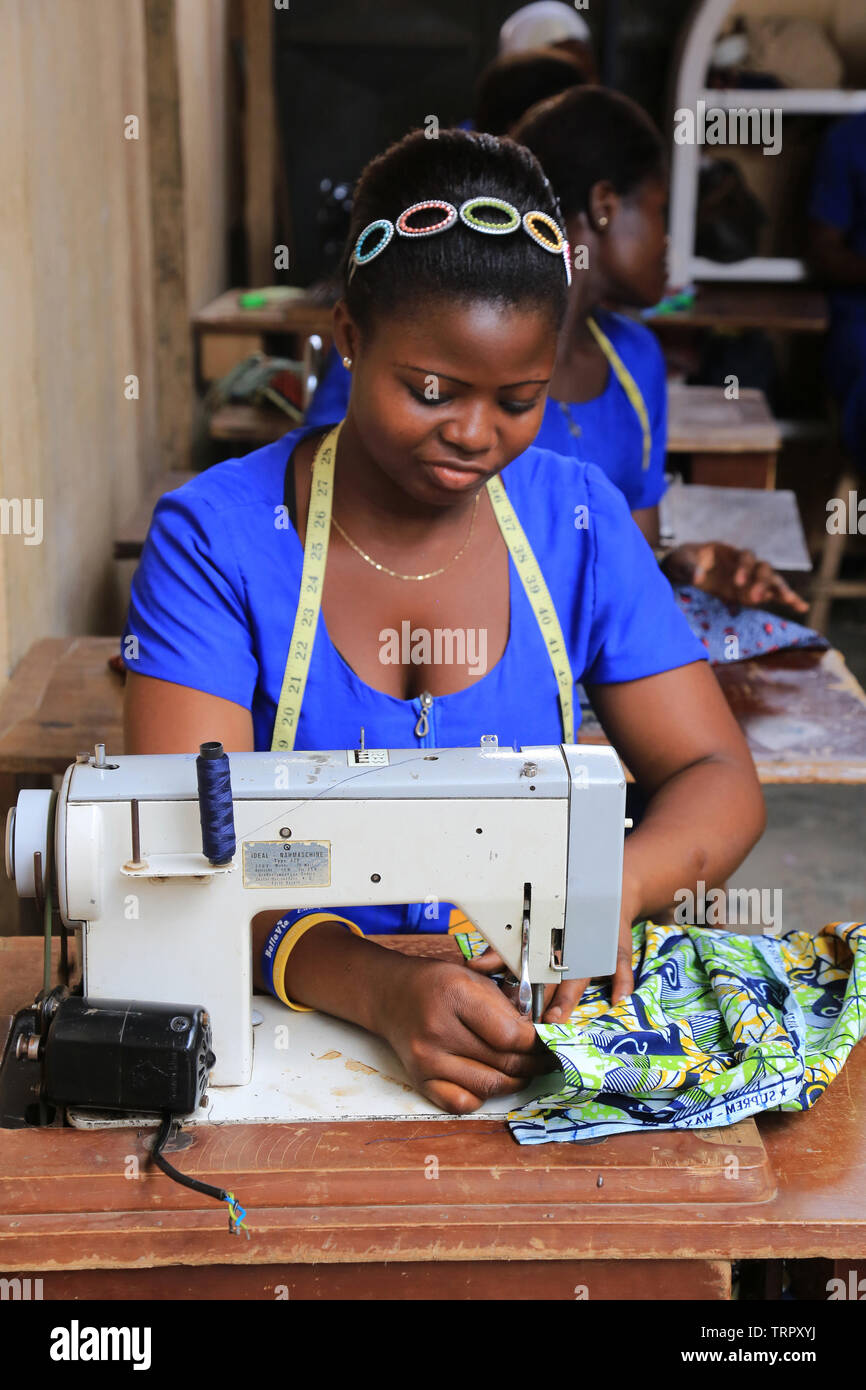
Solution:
(635, 342)
(254, 480)
(549, 485)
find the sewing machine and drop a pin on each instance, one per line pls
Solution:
(528, 843)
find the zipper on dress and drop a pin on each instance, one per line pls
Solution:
(422, 727)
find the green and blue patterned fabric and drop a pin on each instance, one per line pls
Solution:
(719, 1026)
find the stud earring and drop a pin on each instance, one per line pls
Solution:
(347, 363)
(602, 221)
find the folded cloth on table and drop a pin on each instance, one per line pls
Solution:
(731, 632)
(719, 1026)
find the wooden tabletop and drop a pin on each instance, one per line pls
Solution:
(765, 521)
(701, 419)
(803, 713)
(359, 1191)
(774, 308)
(304, 315)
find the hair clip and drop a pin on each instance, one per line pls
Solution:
(540, 226)
(402, 223)
(554, 241)
(480, 224)
(386, 228)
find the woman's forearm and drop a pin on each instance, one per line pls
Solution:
(699, 825)
(333, 971)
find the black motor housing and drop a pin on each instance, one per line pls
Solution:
(121, 1055)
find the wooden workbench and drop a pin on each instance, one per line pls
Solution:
(803, 713)
(348, 1210)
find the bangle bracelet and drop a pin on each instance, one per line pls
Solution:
(287, 944)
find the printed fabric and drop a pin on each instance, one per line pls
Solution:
(757, 633)
(719, 1027)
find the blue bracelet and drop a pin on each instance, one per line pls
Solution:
(269, 950)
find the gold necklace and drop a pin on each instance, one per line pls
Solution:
(393, 573)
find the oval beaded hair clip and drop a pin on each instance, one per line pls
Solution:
(431, 228)
(471, 219)
(360, 257)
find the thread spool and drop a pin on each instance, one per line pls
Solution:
(216, 808)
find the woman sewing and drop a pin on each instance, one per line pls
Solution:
(267, 583)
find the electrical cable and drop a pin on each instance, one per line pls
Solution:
(237, 1213)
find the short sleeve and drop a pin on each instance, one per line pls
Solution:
(187, 620)
(832, 199)
(651, 486)
(331, 397)
(637, 630)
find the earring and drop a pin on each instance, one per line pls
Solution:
(347, 363)
(602, 221)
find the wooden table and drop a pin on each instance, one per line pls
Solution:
(773, 308)
(765, 521)
(803, 713)
(733, 443)
(226, 333)
(350, 1210)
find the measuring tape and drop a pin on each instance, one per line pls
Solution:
(628, 384)
(312, 583)
(310, 597)
(537, 592)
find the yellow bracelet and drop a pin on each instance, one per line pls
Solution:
(288, 944)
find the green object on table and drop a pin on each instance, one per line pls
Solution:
(270, 294)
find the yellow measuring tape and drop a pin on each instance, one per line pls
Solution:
(312, 583)
(628, 384)
(310, 597)
(542, 604)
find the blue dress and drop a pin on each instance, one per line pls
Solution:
(610, 435)
(839, 200)
(213, 604)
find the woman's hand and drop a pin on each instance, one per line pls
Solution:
(459, 1038)
(731, 574)
(561, 999)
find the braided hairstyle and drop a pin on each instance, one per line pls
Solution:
(589, 135)
(460, 264)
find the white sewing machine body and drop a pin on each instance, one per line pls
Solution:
(469, 826)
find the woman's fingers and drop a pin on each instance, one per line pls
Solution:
(487, 963)
(564, 998)
(705, 562)
(745, 565)
(623, 977)
(462, 1085)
